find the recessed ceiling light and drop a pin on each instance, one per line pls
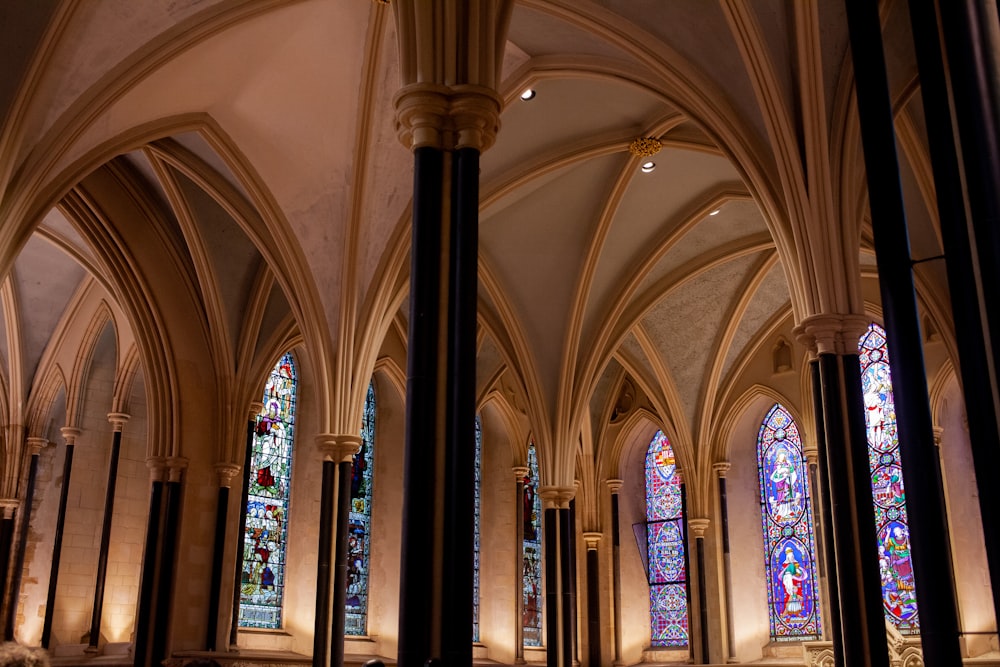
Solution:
(648, 167)
(715, 212)
(527, 94)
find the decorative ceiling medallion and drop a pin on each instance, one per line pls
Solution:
(645, 147)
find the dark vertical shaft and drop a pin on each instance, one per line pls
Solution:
(150, 561)
(573, 621)
(321, 637)
(616, 566)
(928, 524)
(860, 585)
(550, 530)
(36, 445)
(520, 473)
(594, 639)
(565, 592)
(699, 541)
(118, 421)
(722, 468)
(244, 494)
(70, 434)
(165, 576)
(338, 615)
(979, 392)
(218, 551)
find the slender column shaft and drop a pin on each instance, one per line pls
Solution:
(928, 523)
(979, 392)
(699, 542)
(118, 421)
(721, 469)
(571, 557)
(566, 592)
(150, 560)
(594, 636)
(234, 626)
(70, 435)
(616, 567)
(226, 472)
(6, 544)
(339, 613)
(860, 589)
(550, 530)
(519, 474)
(22, 542)
(168, 557)
(824, 529)
(321, 637)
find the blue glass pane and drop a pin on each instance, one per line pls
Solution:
(475, 535)
(262, 582)
(788, 530)
(531, 589)
(359, 523)
(665, 546)
(888, 494)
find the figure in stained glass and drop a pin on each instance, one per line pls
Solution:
(788, 529)
(264, 540)
(887, 477)
(666, 571)
(359, 523)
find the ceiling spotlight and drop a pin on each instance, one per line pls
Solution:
(527, 94)
(715, 212)
(648, 167)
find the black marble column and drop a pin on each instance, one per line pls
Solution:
(150, 564)
(9, 507)
(572, 609)
(930, 551)
(70, 435)
(36, 445)
(565, 588)
(966, 291)
(117, 420)
(226, 472)
(550, 533)
(345, 450)
(698, 527)
(324, 566)
(159, 646)
(520, 473)
(595, 640)
(615, 485)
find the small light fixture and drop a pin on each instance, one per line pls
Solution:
(648, 167)
(715, 212)
(528, 94)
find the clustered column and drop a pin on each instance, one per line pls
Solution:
(558, 584)
(615, 485)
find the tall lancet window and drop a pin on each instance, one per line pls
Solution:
(893, 535)
(477, 499)
(531, 579)
(668, 604)
(789, 545)
(359, 523)
(262, 582)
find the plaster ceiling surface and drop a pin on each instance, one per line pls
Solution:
(769, 300)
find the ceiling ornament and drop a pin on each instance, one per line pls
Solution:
(645, 146)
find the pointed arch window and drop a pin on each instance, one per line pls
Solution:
(531, 580)
(666, 562)
(789, 537)
(262, 582)
(888, 496)
(359, 523)
(477, 481)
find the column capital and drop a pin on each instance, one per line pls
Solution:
(226, 472)
(447, 117)
(615, 485)
(176, 465)
(157, 466)
(70, 434)
(722, 468)
(812, 455)
(8, 506)
(592, 539)
(938, 436)
(520, 472)
(556, 497)
(254, 410)
(36, 444)
(831, 333)
(698, 527)
(118, 420)
(338, 448)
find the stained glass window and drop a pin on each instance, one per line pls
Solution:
(262, 582)
(478, 477)
(532, 551)
(889, 498)
(668, 604)
(789, 545)
(359, 523)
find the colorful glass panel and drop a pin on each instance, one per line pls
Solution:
(262, 582)
(790, 562)
(531, 586)
(668, 604)
(477, 480)
(889, 498)
(359, 523)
